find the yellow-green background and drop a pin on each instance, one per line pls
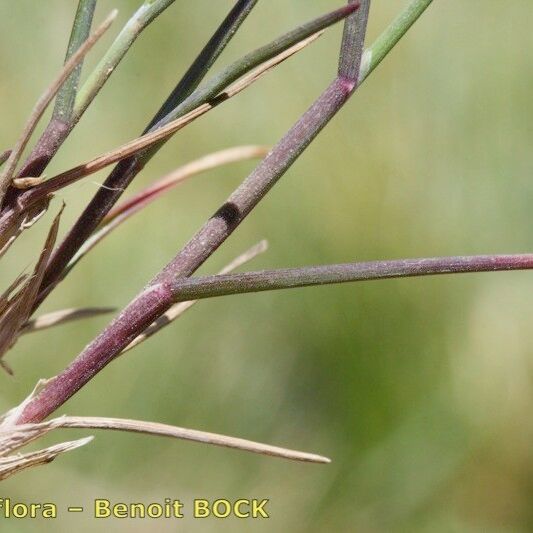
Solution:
(419, 390)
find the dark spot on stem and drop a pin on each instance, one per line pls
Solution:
(229, 213)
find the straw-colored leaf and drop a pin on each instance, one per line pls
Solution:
(20, 307)
(25, 221)
(17, 436)
(63, 316)
(6, 295)
(154, 428)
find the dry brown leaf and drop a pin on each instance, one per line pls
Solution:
(20, 307)
(23, 222)
(14, 437)
(6, 295)
(164, 430)
(14, 464)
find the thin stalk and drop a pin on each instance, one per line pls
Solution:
(80, 32)
(206, 59)
(185, 289)
(391, 36)
(149, 10)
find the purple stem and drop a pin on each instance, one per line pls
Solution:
(186, 289)
(149, 306)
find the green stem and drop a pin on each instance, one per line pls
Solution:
(149, 10)
(390, 37)
(80, 32)
(206, 59)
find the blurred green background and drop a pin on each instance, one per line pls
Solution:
(419, 390)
